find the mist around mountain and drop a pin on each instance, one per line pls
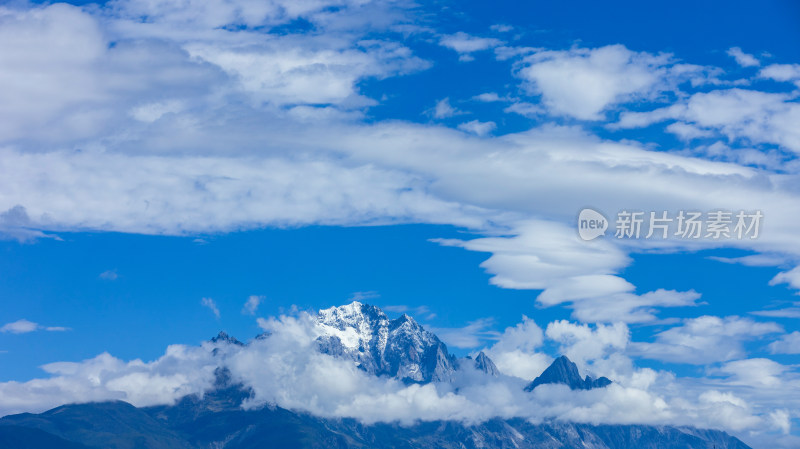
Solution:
(351, 377)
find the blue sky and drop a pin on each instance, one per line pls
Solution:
(160, 165)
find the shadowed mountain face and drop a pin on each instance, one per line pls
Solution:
(203, 424)
(399, 348)
(564, 371)
(485, 364)
(18, 437)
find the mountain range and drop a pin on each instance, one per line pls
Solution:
(399, 348)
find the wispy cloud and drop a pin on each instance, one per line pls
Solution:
(24, 326)
(253, 301)
(109, 275)
(444, 109)
(364, 296)
(475, 334)
(419, 312)
(742, 58)
(212, 306)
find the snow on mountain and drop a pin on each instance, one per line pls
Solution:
(398, 348)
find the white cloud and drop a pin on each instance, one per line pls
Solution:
(789, 312)
(24, 326)
(630, 308)
(175, 194)
(291, 71)
(755, 372)
(787, 344)
(109, 275)
(150, 112)
(471, 336)
(583, 83)
(253, 301)
(525, 109)
(488, 97)
(478, 127)
(742, 58)
(444, 109)
(782, 72)
(180, 371)
(705, 340)
(791, 277)
(211, 305)
(582, 343)
(757, 117)
(754, 260)
(286, 370)
(515, 352)
(464, 44)
(686, 131)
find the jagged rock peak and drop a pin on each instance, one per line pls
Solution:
(399, 348)
(564, 371)
(485, 364)
(223, 337)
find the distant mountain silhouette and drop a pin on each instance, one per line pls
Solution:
(564, 371)
(214, 422)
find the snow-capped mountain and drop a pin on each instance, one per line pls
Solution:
(362, 333)
(398, 348)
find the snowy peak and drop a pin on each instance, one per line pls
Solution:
(564, 371)
(399, 348)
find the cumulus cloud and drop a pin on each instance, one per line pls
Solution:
(782, 73)
(582, 343)
(180, 371)
(515, 352)
(755, 372)
(583, 83)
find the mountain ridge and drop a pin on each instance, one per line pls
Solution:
(399, 348)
